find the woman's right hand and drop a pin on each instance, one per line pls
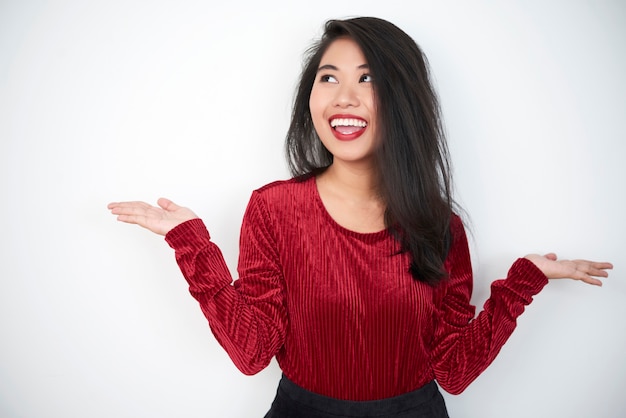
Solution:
(159, 220)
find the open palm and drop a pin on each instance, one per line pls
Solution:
(584, 270)
(159, 220)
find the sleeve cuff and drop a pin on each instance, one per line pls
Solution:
(524, 271)
(192, 230)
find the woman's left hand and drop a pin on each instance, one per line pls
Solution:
(584, 270)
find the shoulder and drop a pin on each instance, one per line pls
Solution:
(281, 204)
(458, 251)
(277, 184)
(457, 228)
(282, 191)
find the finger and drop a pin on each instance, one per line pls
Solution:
(593, 268)
(128, 202)
(114, 205)
(596, 264)
(591, 280)
(167, 204)
(130, 208)
(597, 272)
(132, 219)
(550, 256)
(602, 265)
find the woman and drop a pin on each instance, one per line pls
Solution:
(356, 274)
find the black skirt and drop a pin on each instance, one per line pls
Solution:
(292, 401)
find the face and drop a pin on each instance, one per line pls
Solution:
(342, 104)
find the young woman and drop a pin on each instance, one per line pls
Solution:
(355, 274)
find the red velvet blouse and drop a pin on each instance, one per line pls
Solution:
(338, 308)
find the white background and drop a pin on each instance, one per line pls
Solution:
(117, 100)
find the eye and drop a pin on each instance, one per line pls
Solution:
(365, 78)
(328, 79)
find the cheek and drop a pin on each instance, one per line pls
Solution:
(317, 108)
(315, 103)
(371, 104)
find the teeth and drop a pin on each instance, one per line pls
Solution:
(348, 122)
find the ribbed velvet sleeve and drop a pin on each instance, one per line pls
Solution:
(463, 345)
(248, 318)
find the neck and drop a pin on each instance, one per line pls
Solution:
(355, 182)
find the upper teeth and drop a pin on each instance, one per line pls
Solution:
(348, 122)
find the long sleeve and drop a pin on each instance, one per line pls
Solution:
(247, 317)
(464, 346)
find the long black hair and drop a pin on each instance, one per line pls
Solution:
(414, 178)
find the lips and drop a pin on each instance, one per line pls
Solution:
(347, 127)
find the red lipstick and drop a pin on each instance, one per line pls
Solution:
(347, 127)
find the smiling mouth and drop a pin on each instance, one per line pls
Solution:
(346, 129)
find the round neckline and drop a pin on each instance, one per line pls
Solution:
(373, 236)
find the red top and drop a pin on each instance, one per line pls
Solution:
(338, 308)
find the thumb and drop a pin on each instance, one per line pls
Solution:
(167, 204)
(550, 256)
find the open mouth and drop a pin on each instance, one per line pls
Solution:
(347, 128)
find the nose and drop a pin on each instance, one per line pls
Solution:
(346, 96)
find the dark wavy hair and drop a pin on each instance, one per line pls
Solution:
(412, 159)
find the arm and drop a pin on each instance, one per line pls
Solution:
(248, 318)
(463, 345)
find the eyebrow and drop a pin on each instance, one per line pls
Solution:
(334, 68)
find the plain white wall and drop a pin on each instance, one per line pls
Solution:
(117, 100)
